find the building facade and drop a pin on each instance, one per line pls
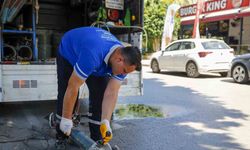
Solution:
(228, 20)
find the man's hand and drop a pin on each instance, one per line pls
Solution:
(106, 131)
(66, 126)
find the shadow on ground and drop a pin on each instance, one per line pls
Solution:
(232, 81)
(183, 74)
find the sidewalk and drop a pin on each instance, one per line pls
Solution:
(145, 62)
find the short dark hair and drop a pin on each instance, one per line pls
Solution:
(132, 56)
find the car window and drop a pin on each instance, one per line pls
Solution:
(214, 45)
(187, 45)
(173, 47)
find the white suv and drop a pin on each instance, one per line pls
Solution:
(194, 56)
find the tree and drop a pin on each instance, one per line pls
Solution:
(154, 15)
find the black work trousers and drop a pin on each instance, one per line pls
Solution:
(96, 86)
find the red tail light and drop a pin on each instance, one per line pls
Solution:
(204, 54)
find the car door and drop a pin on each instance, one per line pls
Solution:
(181, 56)
(166, 59)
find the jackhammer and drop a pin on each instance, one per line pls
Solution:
(84, 142)
(79, 138)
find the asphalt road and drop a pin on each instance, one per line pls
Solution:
(206, 113)
(209, 112)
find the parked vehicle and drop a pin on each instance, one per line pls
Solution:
(31, 31)
(194, 56)
(240, 69)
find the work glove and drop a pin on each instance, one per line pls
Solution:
(66, 126)
(106, 131)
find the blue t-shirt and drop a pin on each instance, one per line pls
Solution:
(88, 49)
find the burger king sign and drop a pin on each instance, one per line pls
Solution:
(236, 3)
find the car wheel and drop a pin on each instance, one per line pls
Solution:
(239, 74)
(223, 74)
(155, 66)
(192, 70)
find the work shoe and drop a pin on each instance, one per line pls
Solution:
(61, 142)
(52, 120)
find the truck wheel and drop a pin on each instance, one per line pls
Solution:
(192, 70)
(155, 66)
(240, 74)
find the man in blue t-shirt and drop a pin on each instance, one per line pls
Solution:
(94, 56)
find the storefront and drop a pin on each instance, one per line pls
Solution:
(228, 20)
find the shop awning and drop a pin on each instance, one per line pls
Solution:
(221, 15)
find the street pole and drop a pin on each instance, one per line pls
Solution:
(241, 32)
(196, 29)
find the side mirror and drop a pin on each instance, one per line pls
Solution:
(162, 52)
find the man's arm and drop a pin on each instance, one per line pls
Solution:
(110, 98)
(71, 94)
(108, 105)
